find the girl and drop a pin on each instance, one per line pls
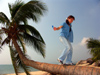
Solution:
(66, 37)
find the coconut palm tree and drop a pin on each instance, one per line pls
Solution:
(17, 27)
(19, 33)
(94, 46)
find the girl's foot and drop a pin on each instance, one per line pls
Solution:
(60, 61)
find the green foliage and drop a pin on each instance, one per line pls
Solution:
(17, 63)
(15, 7)
(94, 46)
(20, 12)
(17, 27)
(33, 38)
(4, 19)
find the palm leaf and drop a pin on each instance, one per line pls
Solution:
(17, 63)
(1, 38)
(30, 10)
(94, 46)
(4, 19)
(95, 51)
(5, 41)
(32, 31)
(26, 68)
(93, 43)
(22, 44)
(12, 53)
(15, 7)
(34, 42)
(96, 54)
(25, 22)
(1, 35)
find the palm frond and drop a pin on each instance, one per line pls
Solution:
(94, 46)
(17, 63)
(22, 44)
(1, 38)
(5, 41)
(95, 51)
(4, 19)
(34, 42)
(32, 31)
(26, 68)
(1, 35)
(30, 10)
(12, 53)
(15, 7)
(93, 43)
(96, 54)
(25, 22)
(21, 65)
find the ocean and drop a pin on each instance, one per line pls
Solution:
(8, 69)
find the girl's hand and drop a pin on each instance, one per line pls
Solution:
(54, 28)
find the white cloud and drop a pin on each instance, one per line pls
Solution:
(80, 51)
(83, 42)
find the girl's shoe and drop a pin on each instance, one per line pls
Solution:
(72, 64)
(69, 64)
(60, 61)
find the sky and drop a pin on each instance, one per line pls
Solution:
(85, 26)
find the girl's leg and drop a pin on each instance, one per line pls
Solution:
(65, 43)
(69, 55)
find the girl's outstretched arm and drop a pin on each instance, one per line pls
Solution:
(57, 28)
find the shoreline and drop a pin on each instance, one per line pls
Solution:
(32, 73)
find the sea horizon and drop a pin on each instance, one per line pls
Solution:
(8, 69)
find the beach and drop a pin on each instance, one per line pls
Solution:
(32, 73)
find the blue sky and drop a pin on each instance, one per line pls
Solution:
(86, 25)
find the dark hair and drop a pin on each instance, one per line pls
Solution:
(68, 24)
(68, 21)
(70, 16)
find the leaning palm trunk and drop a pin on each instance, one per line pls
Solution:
(57, 69)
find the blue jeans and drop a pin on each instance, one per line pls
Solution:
(67, 51)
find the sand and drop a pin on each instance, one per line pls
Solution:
(32, 73)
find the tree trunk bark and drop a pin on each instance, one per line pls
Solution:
(57, 69)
